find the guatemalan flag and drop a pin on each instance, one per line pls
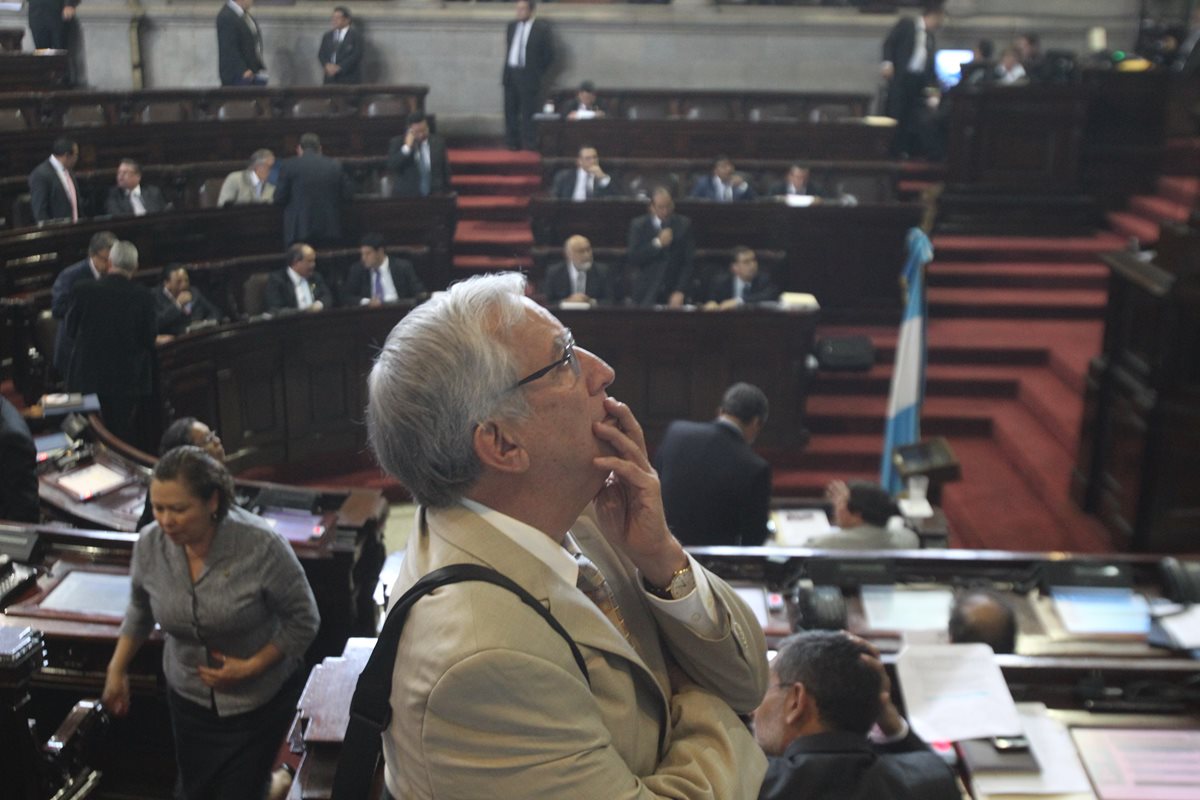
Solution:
(908, 374)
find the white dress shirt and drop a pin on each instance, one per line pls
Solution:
(304, 297)
(135, 201)
(516, 52)
(68, 184)
(586, 183)
(917, 62)
(390, 295)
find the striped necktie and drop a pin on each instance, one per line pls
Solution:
(592, 583)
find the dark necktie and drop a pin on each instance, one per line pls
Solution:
(377, 292)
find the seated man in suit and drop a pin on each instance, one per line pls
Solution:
(584, 105)
(661, 248)
(53, 193)
(724, 185)
(62, 294)
(983, 615)
(798, 181)
(130, 195)
(716, 490)
(298, 286)
(18, 467)
(377, 279)
(828, 690)
(178, 306)
(249, 185)
(341, 50)
(862, 510)
(578, 279)
(742, 285)
(418, 160)
(586, 181)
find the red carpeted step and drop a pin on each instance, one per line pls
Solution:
(1018, 303)
(493, 162)
(1128, 225)
(519, 185)
(957, 274)
(940, 381)
(485, 238)
(1054, 404)
(1183, 189)
(1159, 209)
(493, 207)
(829, 453)
(476, 264)
(940, 416)
(1026, 248)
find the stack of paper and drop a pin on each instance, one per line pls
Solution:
(954, 692)
(1061, 774)
(1141, 764)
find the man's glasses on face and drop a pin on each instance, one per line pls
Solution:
(568, 357)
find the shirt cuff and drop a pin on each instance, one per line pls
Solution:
(879, 737)
(697, 609)
(405, 149)
(364, 301)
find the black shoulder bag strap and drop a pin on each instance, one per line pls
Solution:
(371, 710)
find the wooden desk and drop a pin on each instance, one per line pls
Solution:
(32, 72)
(276, 402)
(163, 126)
(850, 257)
(682, 138)
(693, 104)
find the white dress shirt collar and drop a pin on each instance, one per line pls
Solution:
(530, 539)
(241, 12)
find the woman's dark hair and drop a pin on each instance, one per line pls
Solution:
(177, 434)
(202, 474)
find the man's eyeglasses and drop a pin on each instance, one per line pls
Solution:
(568, 357)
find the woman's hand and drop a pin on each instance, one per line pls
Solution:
(229, 672)
(115, 697)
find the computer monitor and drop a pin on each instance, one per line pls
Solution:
(948, 65)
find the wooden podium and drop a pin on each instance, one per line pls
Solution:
(1139, 452)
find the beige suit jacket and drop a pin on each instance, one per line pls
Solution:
(488, 702)
(238, 189)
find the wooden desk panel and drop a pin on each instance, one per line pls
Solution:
(672, 138)
(33, 72)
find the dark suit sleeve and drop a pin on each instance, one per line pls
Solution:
(353, 288)
(561, 187)
(756, 511)
(153, 200)
(702, 190)
(114, 204)
(204, 309)
(607, 295)
(283, 185)
(684, 240)
(18, 472)
(555, 283)
(228, 44)
(894, 43)
(60, 294)
(275, 293)
(404, 276)
(322, 293)
(762, 290)
(171, 318)
(353, 51)
(325, 51)
(640, 248)
(39, 195)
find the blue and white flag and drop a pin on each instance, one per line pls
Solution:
(908, 374)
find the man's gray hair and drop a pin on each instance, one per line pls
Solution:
(124, 257)
(261, 157)
(444, 369)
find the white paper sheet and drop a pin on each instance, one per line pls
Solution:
(1050, 741)
(795, 526)
(1183, 627)
(1095, 610)
(954, 692)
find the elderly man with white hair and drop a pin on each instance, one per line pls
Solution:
(502, 428)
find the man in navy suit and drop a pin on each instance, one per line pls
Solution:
(48, 21)
(529, 52)
(716, 490)
(298, 286)
(114, 326)
(18, 467)
(239, 46)
(743, 284)
(660, 246)
(418, 160)
(341, 50)
(724, 185)
(827, 690)
(377, 278)
(132, 197)
(312, 188)
(586, 181)
(92, 268)
(908, 66)
(53, 192)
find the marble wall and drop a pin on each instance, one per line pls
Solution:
(457, 48)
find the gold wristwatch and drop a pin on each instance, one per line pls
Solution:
(682, 582)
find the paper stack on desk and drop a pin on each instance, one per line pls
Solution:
(1061, 775)
(954, 692)
(1141, 764)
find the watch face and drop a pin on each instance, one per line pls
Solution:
(682, 584)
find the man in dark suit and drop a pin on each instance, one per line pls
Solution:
(661, 248)
(341, 50)
(724, 185)
(578, 279)
(130, 195)
(18, 467)
(178, 306)
(114, 327)
(298, 286)
(239, 46)
(908, 66)
(53, 193)
(529, 52)
(584, 106)
(48, 21)
(418, 161)
(827, 690)
(312, 188)
(377, 278)
(62, 294)
(798, 181)
(743, 284)
(586, 181)
(1187, 57)
(716, 490)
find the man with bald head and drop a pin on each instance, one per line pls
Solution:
(482, 405)
(298, 286)
(661, 248)
(579, 279)
(984, 616)
(587, 181)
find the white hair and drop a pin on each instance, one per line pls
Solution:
(124, 257)
(444, 369)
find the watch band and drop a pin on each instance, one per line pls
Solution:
(682, 582)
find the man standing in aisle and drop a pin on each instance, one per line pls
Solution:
(529, 50)
(239, 46)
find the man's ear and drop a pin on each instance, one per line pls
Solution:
(497, 449)
(798, 705)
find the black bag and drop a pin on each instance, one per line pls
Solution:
(371, 710)
(845, 353)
